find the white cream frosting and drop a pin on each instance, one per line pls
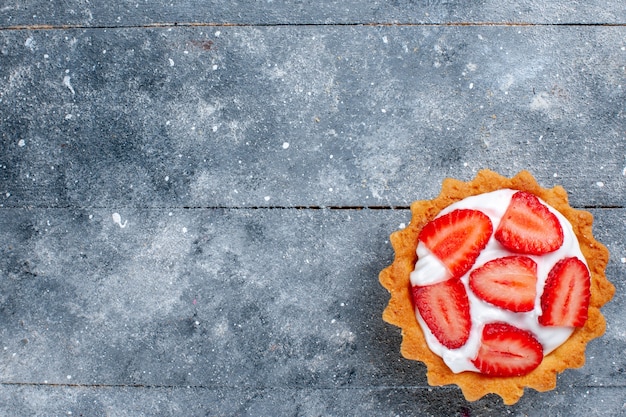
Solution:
(430, 270)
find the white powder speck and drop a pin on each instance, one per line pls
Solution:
(217, 34)
(68, 117)
(331, 157)
(267, 198)
(184, 230)
(555, 175)
(465, 164)
(383, 110)
(21, 143)
(624, 172)
(46, 56)
(471, 85)
(167, 178)
(385, 39)
(402, 225)
(8, 195)
(600, 184)
(117, 219)
(624, 260)
(214, 128)
(170, 214)
(30, 43)
(68, 84)
(171, 62)
(330, 189)
(285, 145)
(69, 377)
(215, 67)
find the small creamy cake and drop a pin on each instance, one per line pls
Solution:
(497, 285)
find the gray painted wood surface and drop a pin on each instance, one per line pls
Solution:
(326, 12)
(226, 117)
(193, 218)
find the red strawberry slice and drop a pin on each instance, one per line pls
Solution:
(506, 350)
(565, 298)
(528, 226)
(509, 283)
(457, 238)
(445, 309)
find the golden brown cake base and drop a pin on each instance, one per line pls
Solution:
(400, 311)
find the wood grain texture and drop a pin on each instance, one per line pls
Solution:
(362, 401)
(313, 116)
(289, 12)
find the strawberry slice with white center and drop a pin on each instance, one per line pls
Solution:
(457, 238)
(509, 283)
(445, 309)
(507, 350)
(528, 226)
(565, 298)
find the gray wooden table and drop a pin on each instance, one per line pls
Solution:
(196, 197)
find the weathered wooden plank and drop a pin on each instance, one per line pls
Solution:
(199, 297)
(125, 13)
(224, 298)
(307, 116)
(302, 401)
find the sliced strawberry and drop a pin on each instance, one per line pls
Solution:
(445, 309)
(506, 350)
(528, 226)
(509, 283)
(457, 238)
(565, 298)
